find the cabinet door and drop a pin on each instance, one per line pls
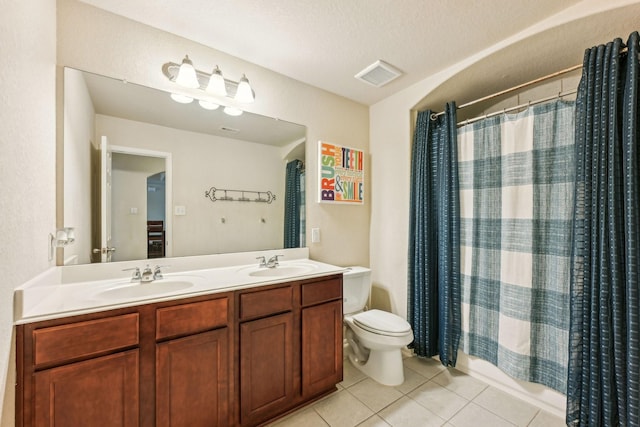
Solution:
(192, 380)
(97, 392)
(321, 347)
(266, 367)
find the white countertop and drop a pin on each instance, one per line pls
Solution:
(57, 294)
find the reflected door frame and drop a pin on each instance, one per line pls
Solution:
(168, 225)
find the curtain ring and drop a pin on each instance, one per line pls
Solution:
(433, 116)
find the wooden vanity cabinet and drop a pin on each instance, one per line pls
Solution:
(321, 335)
(163, 364)
(82, 371)
(238, 358)
(290, 346)
(192, 364)
(96, 392)
(266, 353)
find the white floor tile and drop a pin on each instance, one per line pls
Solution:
(464, 385)
(303, 418)
(508, 407)
(374, 421)
(426, 367)
(474, 415)
(350, 374)
(545, 419)
(412, 380)
(376, 396)
(450, 398)
(342, 409)
(438, 399)
(408, 413)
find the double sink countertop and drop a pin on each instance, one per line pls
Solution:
(72, 290)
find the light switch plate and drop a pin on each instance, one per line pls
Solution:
(315, 235)
(180, 210)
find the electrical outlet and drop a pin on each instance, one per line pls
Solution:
(315, 235)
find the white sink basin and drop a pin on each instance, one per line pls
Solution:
(139, 290)
(283, 270)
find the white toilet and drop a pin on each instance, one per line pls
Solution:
(375, 337)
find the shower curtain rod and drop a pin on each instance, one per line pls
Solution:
(520, 86)
(512, 89)
(517, 107)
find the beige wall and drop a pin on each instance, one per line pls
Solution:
(117, 47)
(27, 163)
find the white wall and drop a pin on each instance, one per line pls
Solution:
(117, 47)
(27, 163)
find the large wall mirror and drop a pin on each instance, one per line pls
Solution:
(138, 167)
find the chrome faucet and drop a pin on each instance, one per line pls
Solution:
(147, 275)
(273, 261)
(136, 276)
(157, 272)
(263, 261)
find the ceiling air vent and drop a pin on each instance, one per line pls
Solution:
(378, 74)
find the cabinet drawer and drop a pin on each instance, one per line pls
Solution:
(265, 302)
(191, 318)
(58, 344)
(317, 292)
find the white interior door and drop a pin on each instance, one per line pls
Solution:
(106, 250)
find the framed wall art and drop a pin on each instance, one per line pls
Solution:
(340, 174)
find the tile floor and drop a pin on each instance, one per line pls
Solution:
(431, 395)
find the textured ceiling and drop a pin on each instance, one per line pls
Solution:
(326, 42)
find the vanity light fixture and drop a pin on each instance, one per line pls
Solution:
(208, 105)
(232, 111)
(244, 93)
(182, 99)
(187, 74)
(214, 83)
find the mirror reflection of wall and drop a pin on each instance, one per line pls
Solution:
(207, 148)
(129, 189)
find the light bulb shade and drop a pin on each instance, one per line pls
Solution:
(182, 99)
(244, 93)
(187, 74)
(208, 105)
(216, 84)
(232, 111)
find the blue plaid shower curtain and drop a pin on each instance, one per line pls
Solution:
(516, 204)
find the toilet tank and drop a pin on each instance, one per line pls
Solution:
(356, 285)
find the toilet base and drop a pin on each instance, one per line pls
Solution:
(383, 366)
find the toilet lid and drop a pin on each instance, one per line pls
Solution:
(382, 323)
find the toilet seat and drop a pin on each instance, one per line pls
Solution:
(382, 323)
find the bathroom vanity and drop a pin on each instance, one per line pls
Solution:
(237, 355)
